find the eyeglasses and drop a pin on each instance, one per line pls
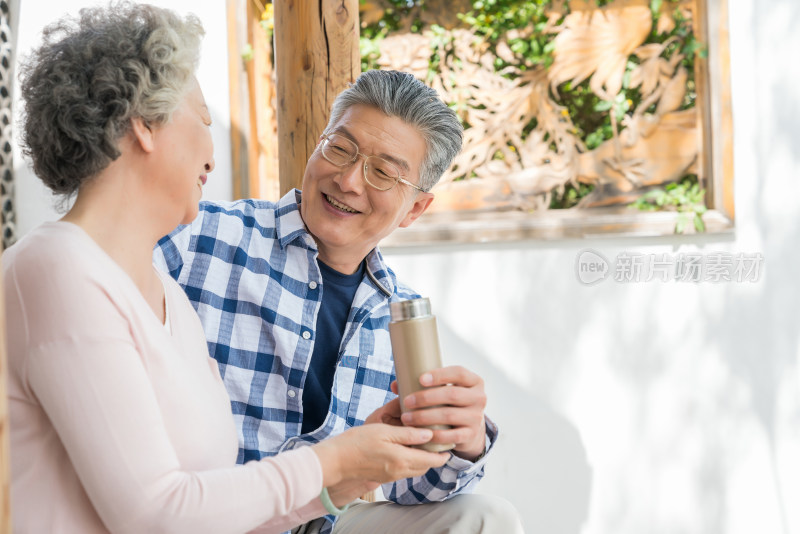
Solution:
(378, 173)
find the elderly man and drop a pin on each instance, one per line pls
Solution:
(294, 298)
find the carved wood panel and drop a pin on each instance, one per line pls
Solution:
(524, 144)
(503, 166)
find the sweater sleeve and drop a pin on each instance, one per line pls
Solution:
(84, 370)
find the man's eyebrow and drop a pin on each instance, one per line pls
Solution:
(397, 161)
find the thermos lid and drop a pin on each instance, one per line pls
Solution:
(410, 309)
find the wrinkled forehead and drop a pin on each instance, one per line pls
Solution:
(392, 156)
(387, 136)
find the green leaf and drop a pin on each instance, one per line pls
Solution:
(603, 105)
(519, 46)
(626, 79)
(247, 52)
(655, 6)
(594, 139)
(680, 224)
(699, 225)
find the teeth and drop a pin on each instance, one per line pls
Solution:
(339, 205)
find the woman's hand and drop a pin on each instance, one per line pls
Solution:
(376, 453)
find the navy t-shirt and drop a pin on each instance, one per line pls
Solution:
(338, 291)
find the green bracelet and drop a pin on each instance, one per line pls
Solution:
(328, 503)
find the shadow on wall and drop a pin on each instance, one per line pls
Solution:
(538, 449)
(767, 360)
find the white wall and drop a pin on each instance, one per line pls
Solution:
(645, 408)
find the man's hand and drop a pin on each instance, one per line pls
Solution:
(389, 413)
(455, 397)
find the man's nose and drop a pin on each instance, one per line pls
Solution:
(352, 177)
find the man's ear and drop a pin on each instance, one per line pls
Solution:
(419, 206)
(143, 134)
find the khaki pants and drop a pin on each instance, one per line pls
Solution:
(467, 514)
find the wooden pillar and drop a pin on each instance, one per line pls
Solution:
(5, 498)
(263, 164)
(316, 56)
(254, 129)
(238, 82)
(715, 118)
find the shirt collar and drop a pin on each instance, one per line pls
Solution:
(291, 229)
(289, 225)
(380, 274)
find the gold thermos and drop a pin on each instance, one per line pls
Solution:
(415, 344)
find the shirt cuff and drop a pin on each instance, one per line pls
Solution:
(466, 466)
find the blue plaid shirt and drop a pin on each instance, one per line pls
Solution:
(250, 269)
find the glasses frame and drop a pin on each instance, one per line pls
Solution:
(358, 153)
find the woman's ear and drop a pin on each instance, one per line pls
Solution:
(142, 134)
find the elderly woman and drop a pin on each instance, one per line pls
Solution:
(119, 419)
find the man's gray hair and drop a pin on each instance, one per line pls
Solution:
(401, 95)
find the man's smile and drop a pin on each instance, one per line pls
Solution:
(340, 206)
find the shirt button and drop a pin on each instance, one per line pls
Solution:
(312, 285)
(291, 393)
(306, 335)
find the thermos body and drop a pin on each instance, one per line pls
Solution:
(415, 344)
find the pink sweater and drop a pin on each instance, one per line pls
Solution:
(118, 425)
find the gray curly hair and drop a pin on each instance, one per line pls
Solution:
(91, 75)
(400, 94)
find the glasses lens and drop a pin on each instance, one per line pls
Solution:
(381, 174)
(339, 150)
